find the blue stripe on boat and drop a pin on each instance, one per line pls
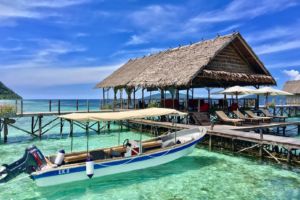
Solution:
(118, 162)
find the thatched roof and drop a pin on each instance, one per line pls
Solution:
(292, 87)
(220, 62)
(6, 93)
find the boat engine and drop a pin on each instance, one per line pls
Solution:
(31, 161)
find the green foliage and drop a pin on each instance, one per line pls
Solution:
(153, 104)
(107, 107)
(6, 93)
(7, 110)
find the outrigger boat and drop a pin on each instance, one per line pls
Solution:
(131, 155)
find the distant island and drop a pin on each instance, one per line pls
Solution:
(6, 93)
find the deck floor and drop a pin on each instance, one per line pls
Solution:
(237, 132)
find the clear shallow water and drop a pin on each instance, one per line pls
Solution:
(201, 175)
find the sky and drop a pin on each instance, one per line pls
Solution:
(61, 49)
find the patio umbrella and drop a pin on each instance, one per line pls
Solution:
(268, 91)
(237, 90)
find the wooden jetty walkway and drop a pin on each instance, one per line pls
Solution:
(244, 133)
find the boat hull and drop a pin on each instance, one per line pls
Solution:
(78, 173)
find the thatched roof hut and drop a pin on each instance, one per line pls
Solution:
(221, 62)
(6, 93)
(292, 87)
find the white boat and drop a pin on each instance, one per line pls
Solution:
(132, 155)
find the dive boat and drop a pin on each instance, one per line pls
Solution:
(132, 155)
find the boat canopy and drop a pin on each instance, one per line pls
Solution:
(122, 115)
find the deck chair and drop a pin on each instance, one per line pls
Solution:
(224, 118)
(247, 119)
(263, 119)
(268, 114)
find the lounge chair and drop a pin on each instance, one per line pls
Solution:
(268, 114)
(247, 119)
(252, 115)
(224, 118)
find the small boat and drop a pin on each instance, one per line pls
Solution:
(131, 155)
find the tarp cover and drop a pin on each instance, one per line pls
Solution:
(123, 115)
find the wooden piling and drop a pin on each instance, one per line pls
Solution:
(71, 128)
(289, 156)
(210, 143)
(98, 127)
(5, 129)
(40, 125)
(61, 126)
(32, 125)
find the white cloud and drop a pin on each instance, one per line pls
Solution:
(286, 64)
(54, 76)
(243, 9)
(293, 74)
(46, 53)
(31, 8)
(277, 47)
(136, 40)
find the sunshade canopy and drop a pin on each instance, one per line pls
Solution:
(272, 92)
(237, 90)
(123, 115)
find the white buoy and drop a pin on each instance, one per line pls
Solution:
(89, 165)
(60, 157)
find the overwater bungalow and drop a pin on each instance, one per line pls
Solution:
(294, 88)
(217, 63)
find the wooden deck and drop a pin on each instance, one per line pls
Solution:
(237, 132)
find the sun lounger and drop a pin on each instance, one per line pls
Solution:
(268, 114)
(247, 119)
(252, 115)
(224, 118)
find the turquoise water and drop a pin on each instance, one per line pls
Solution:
(201, 175)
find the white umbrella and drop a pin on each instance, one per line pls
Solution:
(237, 90)
(268, 91)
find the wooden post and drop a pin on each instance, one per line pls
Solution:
(40, 125)
(187, 100)
(210, 143)
(115, 98)
(58, 106)
(289, 156)
(232, 145)
(283, 130)
(32, 125)
(261, 143)
(162, 98)
(134, 103)
(98, 127)
(61, 125)
(103, 97)
(108, 125)
(77, 105)
(50, 105)
(21, 106)
(121, 98)
(71, 128)
(143, 103)
(5, 129)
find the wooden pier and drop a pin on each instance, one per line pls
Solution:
(251, 136)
